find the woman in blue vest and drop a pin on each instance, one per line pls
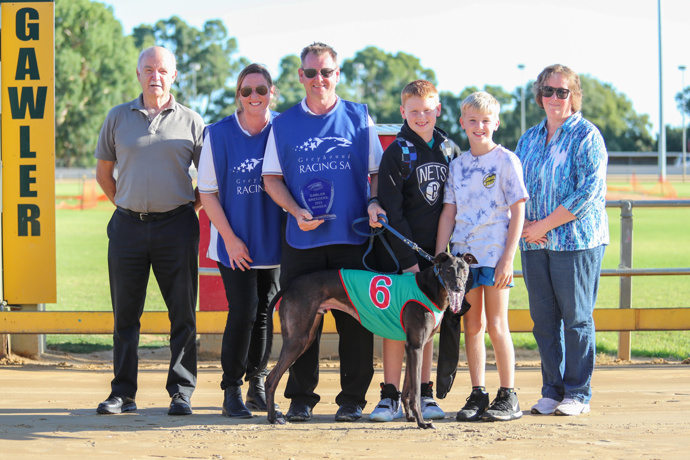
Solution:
(245, 233)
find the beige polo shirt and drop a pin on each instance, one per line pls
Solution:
(153, 159)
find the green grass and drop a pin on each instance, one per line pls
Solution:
(660, 239)
(82, 274)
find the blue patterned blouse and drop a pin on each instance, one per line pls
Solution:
(569, 171)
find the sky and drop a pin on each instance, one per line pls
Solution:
(466, 43)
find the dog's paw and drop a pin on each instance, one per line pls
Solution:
(426, 425)
(279, 419)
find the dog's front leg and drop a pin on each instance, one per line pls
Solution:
(419, 325)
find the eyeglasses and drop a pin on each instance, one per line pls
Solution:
(561, 93)
(260, 90)
(326, 73)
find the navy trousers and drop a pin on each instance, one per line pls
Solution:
(356, 344)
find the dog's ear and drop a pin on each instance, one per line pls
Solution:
(441, 257)
(469, 258)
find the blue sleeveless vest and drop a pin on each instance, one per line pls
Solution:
(333, 148)
(252, 213)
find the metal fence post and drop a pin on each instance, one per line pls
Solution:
(625, 287)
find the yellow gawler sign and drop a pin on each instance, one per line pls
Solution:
(28, 152)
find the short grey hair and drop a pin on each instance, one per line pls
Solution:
(151, 49)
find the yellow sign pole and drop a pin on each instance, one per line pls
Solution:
(28, 152)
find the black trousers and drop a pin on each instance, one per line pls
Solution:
(171, 248)
(249, 294)
(356, 344)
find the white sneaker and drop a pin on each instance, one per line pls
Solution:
(431, 410)
(545, 406)
(386, 410)
(571, 406)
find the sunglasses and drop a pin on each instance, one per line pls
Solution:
(260, 90)
(561, 93)
(326, 73)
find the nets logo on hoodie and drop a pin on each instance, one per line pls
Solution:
(431, 177)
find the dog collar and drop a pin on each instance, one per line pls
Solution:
(440, 280)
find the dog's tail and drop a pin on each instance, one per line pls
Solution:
(269, 337)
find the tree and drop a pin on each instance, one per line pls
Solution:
(449, 119)
(290, 89)
(683, 100)
(612, 112)
(376, 78)
(206, 62)
(508, 132)
(94, 71)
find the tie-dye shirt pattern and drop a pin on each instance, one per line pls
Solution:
(569, 171)
(483, 188)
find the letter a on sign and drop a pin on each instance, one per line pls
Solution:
(28, 152)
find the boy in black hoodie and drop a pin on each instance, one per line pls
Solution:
(412, 176)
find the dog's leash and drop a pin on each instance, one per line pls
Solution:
(373, 232)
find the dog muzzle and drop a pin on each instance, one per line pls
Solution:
(455, 299)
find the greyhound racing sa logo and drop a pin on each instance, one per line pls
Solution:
(249, 179)
(379, 294)
(247, 165)
(324, 153)
(489, 180)
(431, 177)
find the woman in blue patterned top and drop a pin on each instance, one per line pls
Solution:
(565, 233)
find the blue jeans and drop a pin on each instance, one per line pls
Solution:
(562, 288)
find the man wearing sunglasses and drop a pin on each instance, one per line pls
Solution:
(318, 160)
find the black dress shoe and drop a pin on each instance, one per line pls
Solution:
(180, 405)
(116, 405)
(233, 405)
(348, 412)
(298, 412)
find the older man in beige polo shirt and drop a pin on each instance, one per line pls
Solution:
(152, 140)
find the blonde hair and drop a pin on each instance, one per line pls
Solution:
(418, 88)
(482, 102)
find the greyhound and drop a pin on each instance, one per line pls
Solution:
(310, 296)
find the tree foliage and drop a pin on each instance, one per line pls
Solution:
(94, 71)
(683, 100)
(206, 62)
(376, 78)
(290, 89)
(612, 112)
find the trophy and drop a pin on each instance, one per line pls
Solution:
(317, 197)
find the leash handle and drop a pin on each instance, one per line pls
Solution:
(372, 233)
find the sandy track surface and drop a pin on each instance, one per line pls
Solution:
(47, 410)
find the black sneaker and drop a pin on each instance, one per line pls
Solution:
(348, 412)
(504, 408)
(476, 404)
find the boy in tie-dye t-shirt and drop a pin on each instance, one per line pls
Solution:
(483, 213)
